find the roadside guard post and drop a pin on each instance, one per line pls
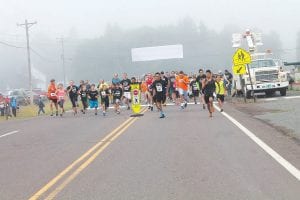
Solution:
(240, 59)
(136, 100)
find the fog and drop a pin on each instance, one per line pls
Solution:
(88, 25)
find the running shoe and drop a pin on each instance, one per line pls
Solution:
(185, 104)
(221, 110)
(162, 116)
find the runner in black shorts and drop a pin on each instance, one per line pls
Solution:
(209, 88)
(159, 93)
(73, 95)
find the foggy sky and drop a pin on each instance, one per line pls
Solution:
(89, 18)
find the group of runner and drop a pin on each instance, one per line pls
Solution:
(156, 89)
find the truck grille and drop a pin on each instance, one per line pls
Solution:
(266, 76)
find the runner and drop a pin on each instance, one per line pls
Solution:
(93, 98)
(83, 93)
(182, 82)
(159, 93)
(104, 94)
(209, 88)
(149, 93)
(115, 80)
(172, 87)
(195, 88)
(72, 91)
(199, 80)
(61, 93)
(52, 96)
(166, 79)
(125, 83)
(117, 95)
(220, 91)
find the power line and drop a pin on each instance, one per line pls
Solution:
(42, 57)
(11, 45)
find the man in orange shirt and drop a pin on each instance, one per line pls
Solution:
(182, 83)
(52, 96)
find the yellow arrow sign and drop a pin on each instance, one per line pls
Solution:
(239, 69)
(241, 57)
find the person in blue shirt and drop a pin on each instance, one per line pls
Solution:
(14, 106)
(115, 80)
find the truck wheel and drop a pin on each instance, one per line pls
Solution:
(270, 93)
(283, 92)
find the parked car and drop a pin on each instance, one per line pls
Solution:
(20, 95)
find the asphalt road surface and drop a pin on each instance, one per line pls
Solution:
(184, 156)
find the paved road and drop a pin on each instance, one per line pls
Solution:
(185, 156)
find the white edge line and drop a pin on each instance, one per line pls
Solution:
(288, 166)
(10, 133)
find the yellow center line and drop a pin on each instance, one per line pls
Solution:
(53, 194)
(52, 182)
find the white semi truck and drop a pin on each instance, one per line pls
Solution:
(267, 75)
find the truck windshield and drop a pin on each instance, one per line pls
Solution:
(262, 63)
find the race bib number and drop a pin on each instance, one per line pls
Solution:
(159, 88)
(61, 97)
(103, 93)
(52, 94)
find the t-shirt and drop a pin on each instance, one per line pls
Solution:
(117, 93)
(52, 91)
(159, 86)
(126, 85)
(194, 86)
(73, 91)
(60, 94)
(83, 94)
(229, 77)
(166, 80)
(104, 93)
(210, 87)
(172, 81)
(182, 82)
(199, 80)
(93, 94)
(115, 81)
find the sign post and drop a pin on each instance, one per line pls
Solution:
(136, 100)
(240, 59)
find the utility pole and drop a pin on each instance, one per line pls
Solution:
(63, 58)
(27, 26)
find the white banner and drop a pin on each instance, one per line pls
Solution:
(157, 53)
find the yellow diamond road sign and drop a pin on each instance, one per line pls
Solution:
(241, 57)
(239, 69)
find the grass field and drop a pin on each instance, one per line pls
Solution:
(32, 110)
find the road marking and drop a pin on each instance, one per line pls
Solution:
(53, 194)
(288, 166)
(280, 98)
(10, 133)
(103, 142)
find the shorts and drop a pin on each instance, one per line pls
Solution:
(116, 101)
(171, 90)
(182, 92)
(207, 97)
(93, 103)
(74, 101)
(105, 102)
(61, 103)
(221, 97)
(53, 100)
(84, 103)
(127, 95)
(196, 93)
(159, 97)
